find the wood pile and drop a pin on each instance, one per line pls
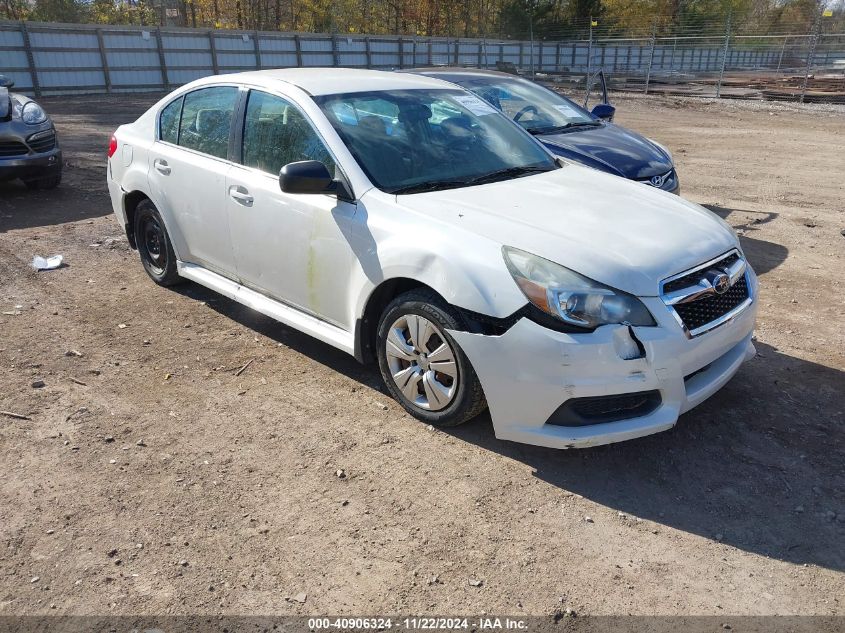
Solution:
(829, 88)
(820, 89)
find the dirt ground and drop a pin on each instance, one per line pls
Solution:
(152, 479)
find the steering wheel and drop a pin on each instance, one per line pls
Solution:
(529, 108)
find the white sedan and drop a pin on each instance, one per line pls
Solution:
(406, 221)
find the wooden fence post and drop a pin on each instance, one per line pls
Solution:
(161, 60)
(298, 46)
(104, 59)
(335, 52)
(33, 72)
(213, 47)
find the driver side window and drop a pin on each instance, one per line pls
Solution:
(277, 133)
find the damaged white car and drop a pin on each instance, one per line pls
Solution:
(407, 222)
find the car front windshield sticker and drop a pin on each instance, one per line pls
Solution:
(568, 110)
(475, 105)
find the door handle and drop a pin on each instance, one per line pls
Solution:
(240, 195)
(161, 166)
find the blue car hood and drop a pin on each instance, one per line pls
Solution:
(612, 149)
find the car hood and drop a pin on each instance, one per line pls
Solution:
(611, 148)
(624, 234)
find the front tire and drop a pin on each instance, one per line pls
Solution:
(154, 245)
(51, 181)
(423, 367)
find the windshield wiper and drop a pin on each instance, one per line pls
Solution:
(507, 174)
(538, 131)
(421, 187)
(493, 176)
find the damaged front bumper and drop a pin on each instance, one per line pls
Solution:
(530, 371)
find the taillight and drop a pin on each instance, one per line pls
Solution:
(112, 146)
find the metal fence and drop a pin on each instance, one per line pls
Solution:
(805, 68)
(46, 59)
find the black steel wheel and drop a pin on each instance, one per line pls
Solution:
(154, 245)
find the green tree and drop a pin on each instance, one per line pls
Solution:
(60, 11)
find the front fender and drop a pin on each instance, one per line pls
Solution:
(466, 270)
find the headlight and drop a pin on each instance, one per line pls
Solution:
(571, 297)
(32, 113)
(662, 147)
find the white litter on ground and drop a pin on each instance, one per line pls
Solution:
(47, 263)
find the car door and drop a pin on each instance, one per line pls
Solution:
(290, 247)
(187, 174)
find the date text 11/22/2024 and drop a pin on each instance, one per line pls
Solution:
(416, 623)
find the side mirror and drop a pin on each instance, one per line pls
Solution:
(6, 82)
(604, 111)
(312, 176)
(307, 176)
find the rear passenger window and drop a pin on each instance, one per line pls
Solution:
(168, 125)
(276, 133)
(207, 119)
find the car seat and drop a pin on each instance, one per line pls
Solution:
(212, 128)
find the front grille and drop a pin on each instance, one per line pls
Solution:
(692, 278)
(12, 148)
(696, 314)
(42, 142)
(603, 409)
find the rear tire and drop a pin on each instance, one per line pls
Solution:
(154, 246)
(423, 367)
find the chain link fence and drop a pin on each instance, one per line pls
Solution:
(808, 67)
(716, 60)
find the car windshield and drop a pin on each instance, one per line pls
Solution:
(409, 141)
(534, 107)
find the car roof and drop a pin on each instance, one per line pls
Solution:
(323, 81)
(458, 71)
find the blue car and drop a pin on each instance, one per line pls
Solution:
(567, 129)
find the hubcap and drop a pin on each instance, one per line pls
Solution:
(421, 362)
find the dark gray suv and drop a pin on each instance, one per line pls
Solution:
(29, 145)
